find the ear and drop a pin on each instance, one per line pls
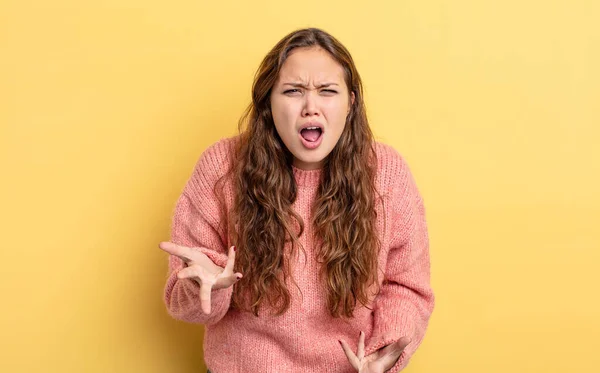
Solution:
(352, 99)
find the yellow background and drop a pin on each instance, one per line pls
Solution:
(106, 105)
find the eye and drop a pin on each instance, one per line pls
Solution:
(329, 91)
(291, 91)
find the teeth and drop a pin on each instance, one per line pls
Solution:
(312, 128)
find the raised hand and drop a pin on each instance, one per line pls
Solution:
(202, 270)
(377, 362)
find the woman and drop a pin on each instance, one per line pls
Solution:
(331, 244)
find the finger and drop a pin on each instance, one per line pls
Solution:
(224, 282)
(360, 353)
(350, 355)
(185, 253)
(391, 353)
(401, 344)
(184, 259)
(205, 290)
(230, 261)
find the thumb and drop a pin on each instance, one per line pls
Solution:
(227, 281)
(390, 353)
(402, 343)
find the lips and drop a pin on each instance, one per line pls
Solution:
(312, 124)
(311, 136)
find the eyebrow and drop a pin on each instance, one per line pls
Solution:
(294, 84)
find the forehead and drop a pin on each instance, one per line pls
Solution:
(311, 65)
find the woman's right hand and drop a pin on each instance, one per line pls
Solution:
(202, 270)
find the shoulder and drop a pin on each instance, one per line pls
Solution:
(392, 168)
(218, 156)
(212, 165)
(406, 206)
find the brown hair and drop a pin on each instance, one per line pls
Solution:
(262, 219)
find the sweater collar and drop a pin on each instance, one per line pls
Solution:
(310, 178)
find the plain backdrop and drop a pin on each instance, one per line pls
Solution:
(105, 107)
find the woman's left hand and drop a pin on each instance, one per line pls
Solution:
(377, 362)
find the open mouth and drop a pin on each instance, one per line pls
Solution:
(311, 134)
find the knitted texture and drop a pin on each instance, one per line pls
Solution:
(305, 338)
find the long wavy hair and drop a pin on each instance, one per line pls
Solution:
(262, 220)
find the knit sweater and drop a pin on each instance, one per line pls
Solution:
(305, 338)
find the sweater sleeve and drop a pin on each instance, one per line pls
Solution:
(196, 224)
(406, 301)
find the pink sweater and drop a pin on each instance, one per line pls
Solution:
(305, 338)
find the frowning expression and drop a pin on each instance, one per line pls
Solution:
(310, 103)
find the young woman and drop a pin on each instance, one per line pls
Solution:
(302, 236)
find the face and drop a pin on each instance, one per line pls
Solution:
(310, 92)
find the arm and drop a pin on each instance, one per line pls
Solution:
(182, 296)
(406, 300)
(196, 223)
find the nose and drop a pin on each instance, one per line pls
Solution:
(310, 104)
